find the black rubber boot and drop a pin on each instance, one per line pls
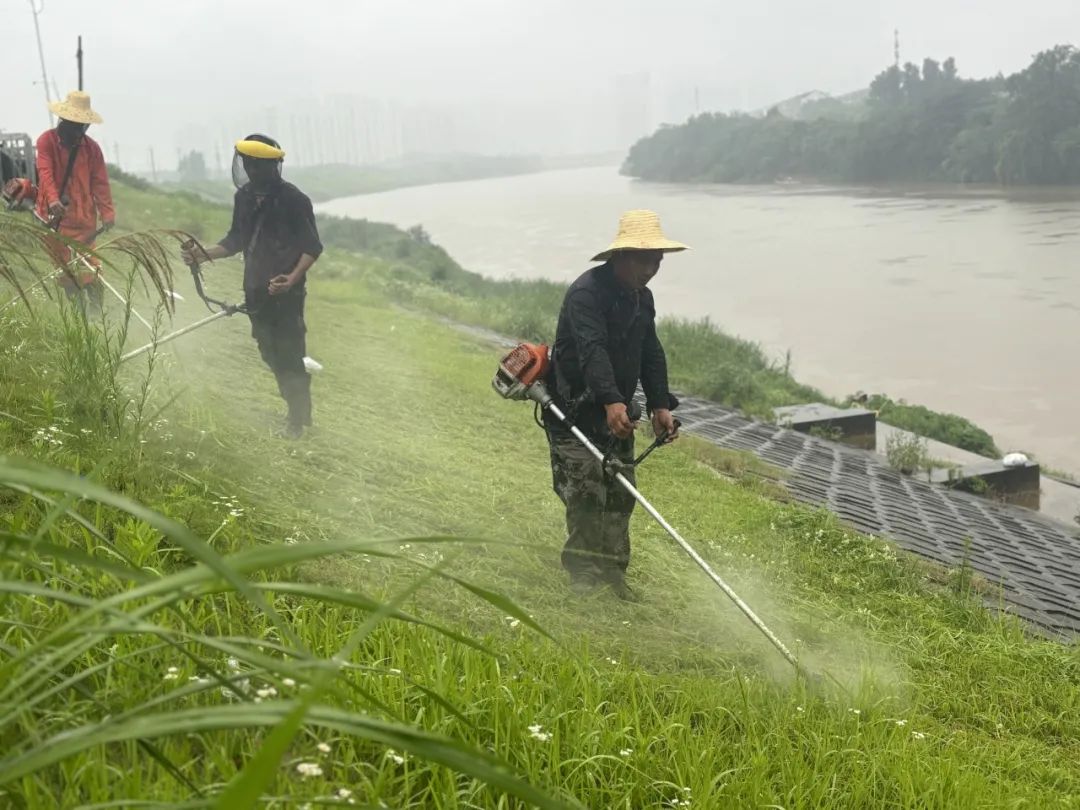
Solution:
(617, 583)
(296, 390)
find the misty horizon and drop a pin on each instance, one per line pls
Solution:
(344, 84)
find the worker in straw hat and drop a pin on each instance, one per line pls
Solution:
(273, 225)
(605, 344)
(73, 188)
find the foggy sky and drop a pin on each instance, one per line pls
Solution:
(504, 75)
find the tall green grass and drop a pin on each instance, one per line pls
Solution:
(290, 575)
(97, 589)
(288, 555)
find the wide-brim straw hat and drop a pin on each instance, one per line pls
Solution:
(639, 230)
(76, 107)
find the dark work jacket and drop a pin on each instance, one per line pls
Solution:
(604, 344)
(287, 230)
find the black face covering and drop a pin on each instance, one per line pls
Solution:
(263, 174)
(70, 132)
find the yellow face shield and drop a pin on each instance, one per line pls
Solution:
(258, 149)
(257, 163)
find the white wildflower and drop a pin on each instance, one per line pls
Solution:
(344, 793)
(323, 747)
(613, 662)
(918, 735)
(243, 686)
(268, 692)
(901, 723)
(288, 682)
(537, 733)
(800, 709)
(625, 752)
(855, 711)
(233, 664)
(307, 769)
(172, 673)
(397, 758)
(189, 454)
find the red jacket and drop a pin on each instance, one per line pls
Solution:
(87, 190)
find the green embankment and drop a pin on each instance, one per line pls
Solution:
(675, 702)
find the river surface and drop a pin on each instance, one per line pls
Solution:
(966, 302)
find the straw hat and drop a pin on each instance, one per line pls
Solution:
(76, 107)
(639, 230)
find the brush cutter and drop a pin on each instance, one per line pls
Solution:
(219, 309)
(521, 376)
(223, 309)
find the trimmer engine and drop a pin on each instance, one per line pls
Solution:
(521, 374)
(18, 193)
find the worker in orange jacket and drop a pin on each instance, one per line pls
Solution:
(73, 189)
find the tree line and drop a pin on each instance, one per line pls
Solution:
(917, 123)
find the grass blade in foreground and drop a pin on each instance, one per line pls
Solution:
(452, 754)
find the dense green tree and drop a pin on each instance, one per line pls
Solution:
(916, 123)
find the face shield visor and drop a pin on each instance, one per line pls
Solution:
(257, 163)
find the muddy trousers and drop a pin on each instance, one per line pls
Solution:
(277, 324)
(598, 509)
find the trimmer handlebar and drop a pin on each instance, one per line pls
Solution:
(196, 276)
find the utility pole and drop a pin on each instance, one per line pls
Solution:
(78, 58)
(153, 166)
(896, 47)
(35, 9)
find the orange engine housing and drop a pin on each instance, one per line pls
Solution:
(19, 192)
(521, 373)
(526, 363)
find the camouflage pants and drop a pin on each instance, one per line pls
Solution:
(597, 508)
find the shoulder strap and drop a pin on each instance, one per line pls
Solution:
(260, 215)
(67, 170)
